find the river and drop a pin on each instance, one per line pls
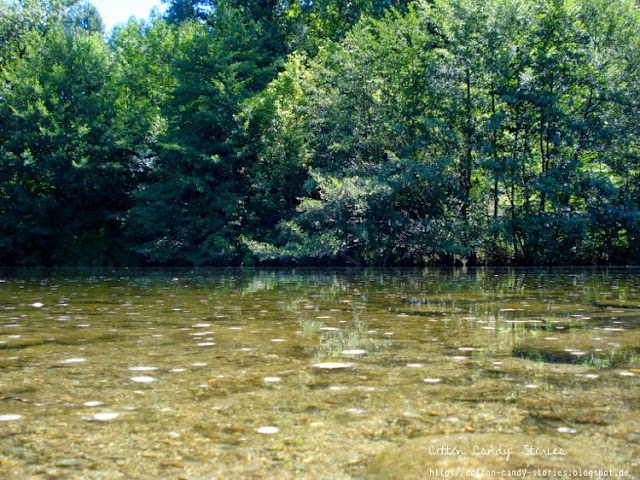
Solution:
(287, 374)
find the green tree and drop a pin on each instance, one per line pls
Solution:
(75, 141)
(59, 165)
(179, 11)
(192, 207)
(85, 17)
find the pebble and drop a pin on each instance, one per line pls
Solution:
(73, 360)
(566, 430)
(144, 379)
(432, 380)
(356, 411)
(333, 365)
(9, 418)
(104, 417)
(267, 430)
(354, 352)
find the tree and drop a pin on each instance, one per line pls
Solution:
(180, 11)
(71, 153)
(362, 132)
(85, 17)
(198, 177)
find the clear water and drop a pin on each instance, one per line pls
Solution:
(213, 374)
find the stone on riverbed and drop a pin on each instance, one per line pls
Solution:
(480, 455)
(144, 379)
(333, 365)
(267, 430)
(9, 417)
(104, 417)
(356, 351)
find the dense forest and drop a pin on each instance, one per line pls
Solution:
(362, 132)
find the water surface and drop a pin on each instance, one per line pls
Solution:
(214, 374)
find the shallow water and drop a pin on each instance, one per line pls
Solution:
(213, 374)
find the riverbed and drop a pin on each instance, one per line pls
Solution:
(288, 374)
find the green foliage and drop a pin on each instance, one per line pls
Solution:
(83, 17)
(179, 11)
(191, 207)
(273, 148)
(366, 132)
(65, 167)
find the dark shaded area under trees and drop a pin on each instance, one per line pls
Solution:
(370, 132)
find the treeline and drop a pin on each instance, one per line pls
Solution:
(374, 132)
